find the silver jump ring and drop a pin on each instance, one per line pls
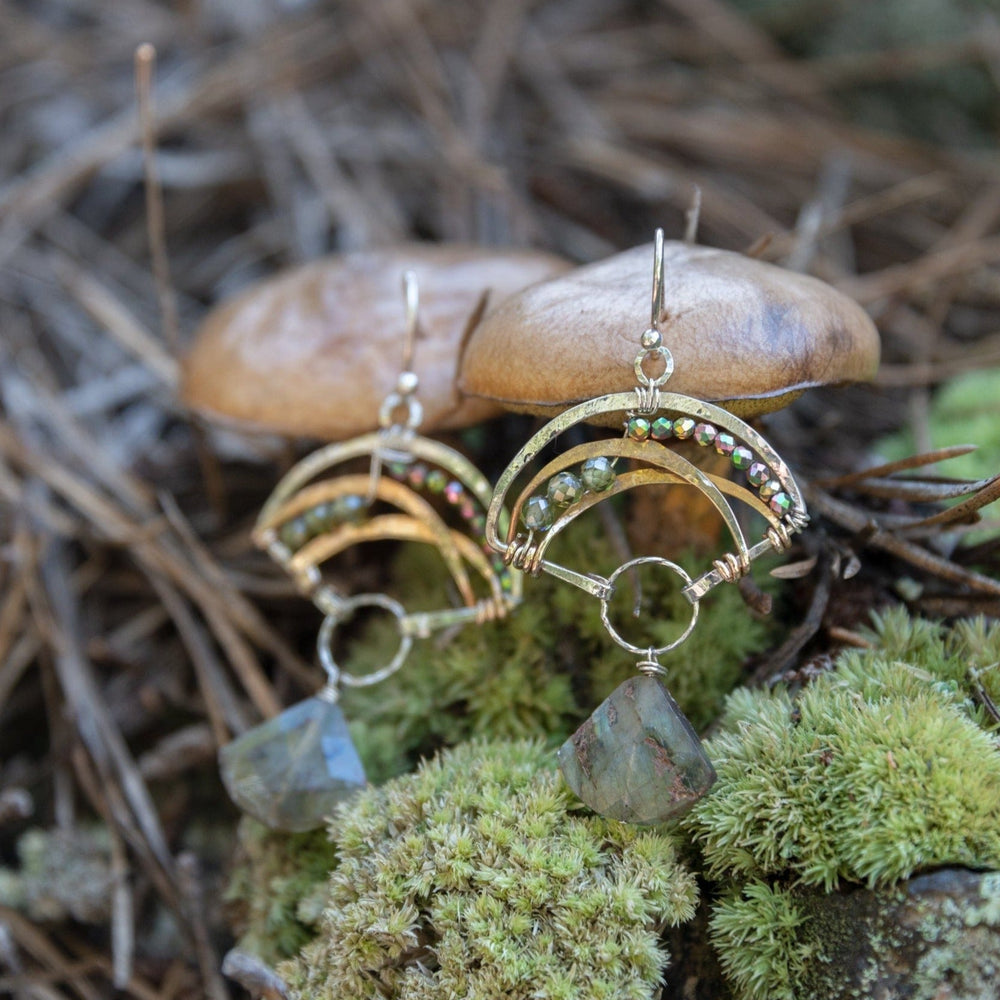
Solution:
(654, 352)
(333, 672)
(392, 402)
(651, 652)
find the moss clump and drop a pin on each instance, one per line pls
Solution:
(63, 874)
(878, 770)
(276, 888)
(540, 672)
(477, 877)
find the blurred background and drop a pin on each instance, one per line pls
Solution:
(855, 141)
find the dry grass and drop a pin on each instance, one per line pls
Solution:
(132, 635)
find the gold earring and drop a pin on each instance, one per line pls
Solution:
(291, 771)
(637, 758)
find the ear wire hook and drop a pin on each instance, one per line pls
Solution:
(411, 295)
(656, 305)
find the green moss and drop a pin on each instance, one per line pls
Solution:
(276, 888)
(540, 672)
(478, 877)
(883, 768)
(63, 874)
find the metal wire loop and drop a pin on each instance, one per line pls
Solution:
(323, 643)
(650, 652)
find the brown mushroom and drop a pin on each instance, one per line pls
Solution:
(314, 351)
(743, 333)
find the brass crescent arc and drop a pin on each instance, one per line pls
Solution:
(621, 402)
(284, 500)
(372, 444)
(398, 527)
(678, 469)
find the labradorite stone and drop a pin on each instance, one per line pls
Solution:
(292, 771)
(637, 758)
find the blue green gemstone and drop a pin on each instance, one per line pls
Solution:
(597, 474)
(436, 481)
(292, 771)
(294, 533)
(637, 758)
(537, 514)
(564, 488)
(349, 509)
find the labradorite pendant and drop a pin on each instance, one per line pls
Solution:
(637, 758)
(291, 772)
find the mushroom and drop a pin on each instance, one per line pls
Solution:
(315, 351)
(745, 334)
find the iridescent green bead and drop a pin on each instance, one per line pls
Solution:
(758, 474)
(661, 428)
(397, 470)
(319, 518)
(741, 457)
(704, 434)
(780, 503)
(349, 509)
(564, 488)
(294, 533)
(597, 474)
(436, 481)
(537, 514)
(684, 428)
(637, 428)
(769, 489)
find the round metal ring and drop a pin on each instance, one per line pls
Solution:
(333, 672)
(650, 651)
(653, 352)
(393, 402)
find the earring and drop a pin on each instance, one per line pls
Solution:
(291, 771)
(637, 758)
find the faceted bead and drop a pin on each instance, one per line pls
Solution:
(780, 503)
(291, 772)
(349, 509)
(398, 470)
(417, 475)
(704, 434)
(637, 428)
(319, 518)
(537, 514)
(637, 758)
(564, 488)
(294, 533)
(769, 489)
(758, 474)
(741, 457)
(467, 509)
(597, 474)
(725, 443)
(436, 481)
(454, 492)
(684, 428)
(661, 428)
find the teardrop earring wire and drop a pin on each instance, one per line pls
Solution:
(637, 758)
(291, 771)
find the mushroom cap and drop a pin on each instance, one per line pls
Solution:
(745, 334)
(315, 350)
